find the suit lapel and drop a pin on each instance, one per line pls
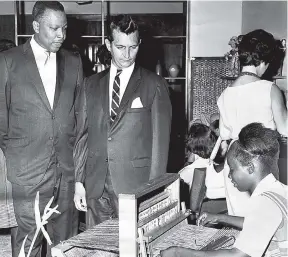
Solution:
(60, 64)
(132, 86)
(34, 74)
(104, 92)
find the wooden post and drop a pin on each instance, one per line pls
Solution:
(128, 246)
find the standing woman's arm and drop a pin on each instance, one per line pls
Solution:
(279, 110)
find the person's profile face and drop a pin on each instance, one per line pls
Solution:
(238, 174)
(50, 31)
(123, 48)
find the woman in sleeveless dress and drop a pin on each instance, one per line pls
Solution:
(251, 99)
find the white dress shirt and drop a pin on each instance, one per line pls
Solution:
(124, 79)
(47, 71)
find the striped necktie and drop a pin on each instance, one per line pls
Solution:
(115, 96)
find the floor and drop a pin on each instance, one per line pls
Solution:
(5, 245)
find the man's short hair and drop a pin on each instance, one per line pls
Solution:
(41, 6)
(123, 23)
(256, 141)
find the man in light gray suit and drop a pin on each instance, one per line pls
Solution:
(128, 124)
(40, 113)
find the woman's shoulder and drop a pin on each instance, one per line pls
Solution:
(253, 87)
(239, 86)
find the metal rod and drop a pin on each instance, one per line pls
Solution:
(102, 21)
(16, 10)
(187, 68)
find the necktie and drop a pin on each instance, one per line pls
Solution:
(47, 57)
(115, 96)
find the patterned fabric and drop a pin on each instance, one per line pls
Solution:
(115, 96)
(279, 243)
(7, 217)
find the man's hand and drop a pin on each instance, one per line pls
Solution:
(206, 218)
(80, 197)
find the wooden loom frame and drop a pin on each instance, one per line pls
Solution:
(131, 237)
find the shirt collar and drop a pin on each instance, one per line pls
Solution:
(127, 71)
(264, 184)
(37, 49)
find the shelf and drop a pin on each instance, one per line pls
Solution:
(169, 37)
(279, 77)
(174, 78)
(91, 36)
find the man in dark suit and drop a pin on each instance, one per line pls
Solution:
(128, 121)
(40, 111)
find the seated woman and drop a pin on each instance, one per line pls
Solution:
(252, 160)
(200, 143)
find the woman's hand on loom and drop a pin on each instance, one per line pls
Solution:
(80, 197)
(206, 218)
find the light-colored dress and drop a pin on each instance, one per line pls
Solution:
(214, 181)
(240, 106)
(7, 217)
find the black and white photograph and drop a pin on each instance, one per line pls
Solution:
(143, 128)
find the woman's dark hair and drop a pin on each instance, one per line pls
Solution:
(256, 141)
(123, 23)
(255, 47)
(276, 63)
(201, 140)
(41, 6)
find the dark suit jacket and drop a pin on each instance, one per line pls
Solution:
(135, 147)
(30, 130)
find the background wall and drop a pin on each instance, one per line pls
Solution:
(212, 24)
(268, 15)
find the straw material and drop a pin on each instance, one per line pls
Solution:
(207, 83)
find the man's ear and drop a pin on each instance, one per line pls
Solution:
(36, 26)
(140, 41)
(108, 44)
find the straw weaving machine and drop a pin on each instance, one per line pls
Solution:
(149, 219)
